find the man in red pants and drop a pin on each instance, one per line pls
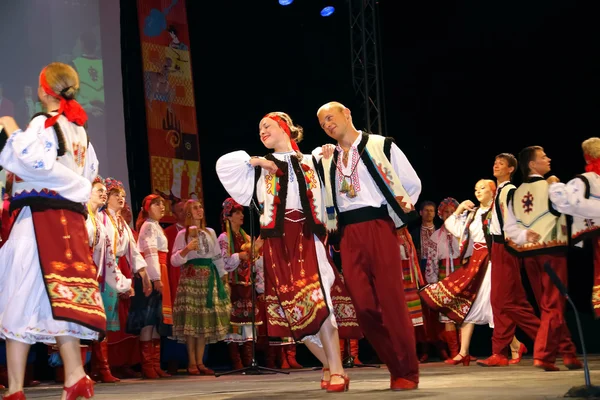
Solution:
(371, 189)
(509, 301)
(537, 233)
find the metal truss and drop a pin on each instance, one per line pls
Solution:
(366, 66)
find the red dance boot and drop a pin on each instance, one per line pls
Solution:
(290, 352)
(156, 359)
(398, 384)
(246, 354)
(571, 362)
(343, 349)
(354, 351)
(451, 338)
(495, 360)
(20, 395)
(234, 355)
(546, 366)
(82, 388)
(100, 368)
(147, 353)
(272, 356)
(282, 358)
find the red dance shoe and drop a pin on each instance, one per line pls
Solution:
(495, 360)
(464, 360)
(339, 387)
(522, 350)
(571, 362)
(205, 371)
(82, 388)
(398, 384)
(15, 396)
(546, 366)
(324, 383)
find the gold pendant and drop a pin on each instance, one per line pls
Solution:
(348, 187)
(351, 192)
(345, 187)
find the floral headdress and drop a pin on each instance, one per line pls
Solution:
(112, 183)
(98, 179)
(447, 202)
(230, 206)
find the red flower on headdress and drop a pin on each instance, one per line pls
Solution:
(112, 183)
(447, 202)
(98, 179)
(230, 206)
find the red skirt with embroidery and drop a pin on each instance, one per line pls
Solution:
(454, 295)
(294, 299)
(68, 269)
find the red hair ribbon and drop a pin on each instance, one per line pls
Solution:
(148, 201)
(285, 127)
(593, 164)
(71, 109)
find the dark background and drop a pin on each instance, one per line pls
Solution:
(463, 81)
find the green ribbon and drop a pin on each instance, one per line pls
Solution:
(214, 277)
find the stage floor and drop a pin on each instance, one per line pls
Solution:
(438, 381)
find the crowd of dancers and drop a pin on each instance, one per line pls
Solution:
(75, 271)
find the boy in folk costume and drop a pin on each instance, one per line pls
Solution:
(580, 198)
(289, 194)
(537, 232)
(370, 189)
(509, 301)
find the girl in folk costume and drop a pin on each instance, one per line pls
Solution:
(123, 348)
(300, 280)
(580, 198)
(202, 306)
(446, 259)
(235, 249)
(109, 275)
(151, 316)
(464, 295)
(48, 286)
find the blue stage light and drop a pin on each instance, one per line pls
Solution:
(327, 11)
(286, 2)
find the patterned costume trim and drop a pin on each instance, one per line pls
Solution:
(68, 269)
(455, 295)
(345, 314)
(301, 311)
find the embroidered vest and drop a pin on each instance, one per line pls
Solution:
(533, 210)
(376, 157)
(503, 196)
(271, 192)
(583, 228)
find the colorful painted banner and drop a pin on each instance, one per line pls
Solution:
(170, 104)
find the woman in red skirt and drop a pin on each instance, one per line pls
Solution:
(300, 279)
